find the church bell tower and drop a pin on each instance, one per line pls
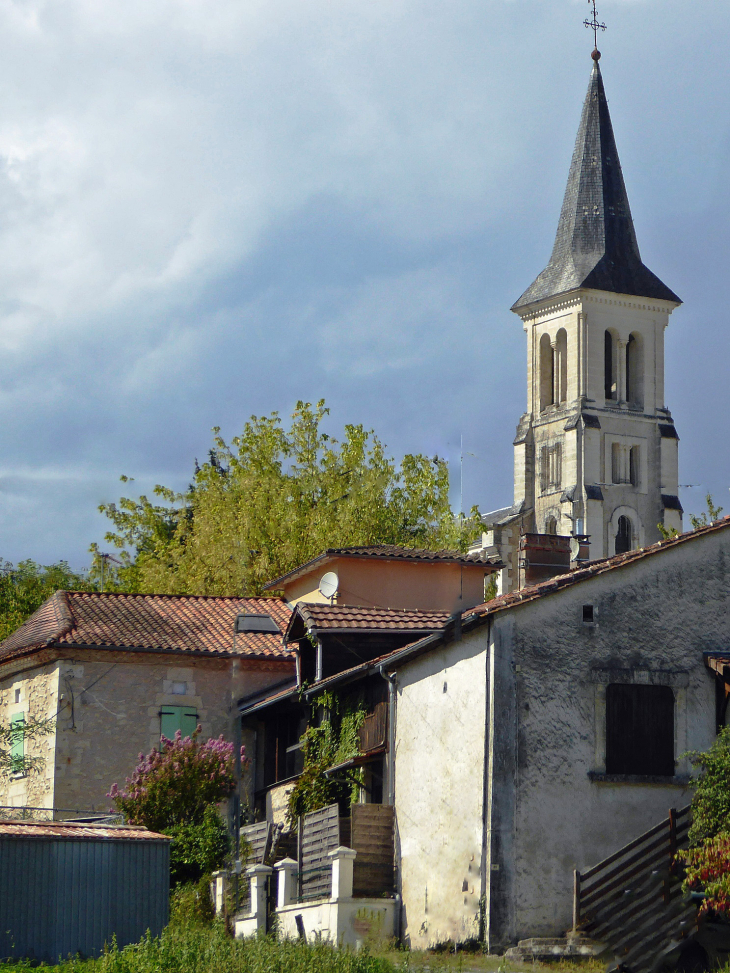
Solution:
(596, 450)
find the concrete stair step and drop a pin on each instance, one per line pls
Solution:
(544, 949)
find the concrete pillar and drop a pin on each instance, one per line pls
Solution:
(287, 882)
(343, 860)
(219, 889)
(257, 876)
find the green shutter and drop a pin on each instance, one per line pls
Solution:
(17, 743)
(174, 718)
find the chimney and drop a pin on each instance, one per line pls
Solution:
(543, 556)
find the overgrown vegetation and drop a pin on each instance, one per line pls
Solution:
(273, 499)
(175, 790)
(707, 862)
(331, 738)
(708, 516)
(190, 947)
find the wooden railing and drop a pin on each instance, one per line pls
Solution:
(632, 900)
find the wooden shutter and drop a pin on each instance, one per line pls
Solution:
(17, 743)
(174, 718)
(640, 730)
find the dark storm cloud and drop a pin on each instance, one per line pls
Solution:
(212, 209)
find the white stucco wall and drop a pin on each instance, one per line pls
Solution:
(439, 785)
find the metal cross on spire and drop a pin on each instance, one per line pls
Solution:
(595, 25)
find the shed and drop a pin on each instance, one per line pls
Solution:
(75, 886)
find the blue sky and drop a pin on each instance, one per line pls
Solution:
(213, 209)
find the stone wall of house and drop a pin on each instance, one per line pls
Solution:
(439, 784)
(35, 695)
(109, 706)
(552, 801)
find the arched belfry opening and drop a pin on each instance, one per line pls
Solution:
(624, 535)
(561, 366)
(635, 371)
(547, 373)
(610, 365)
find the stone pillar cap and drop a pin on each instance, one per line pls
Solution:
(259, 870)
(342, 852)
(287, 863)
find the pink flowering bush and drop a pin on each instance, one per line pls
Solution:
(175, 784)
(175, 790)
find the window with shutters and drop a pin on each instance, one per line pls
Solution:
(17, 743)
(640, 730)
(174, 718)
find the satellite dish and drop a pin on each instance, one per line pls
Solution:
(328, 584)
(574, 548)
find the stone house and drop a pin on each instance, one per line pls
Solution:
(543, 730)
(118, 671)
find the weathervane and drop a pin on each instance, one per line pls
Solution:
(595, 25)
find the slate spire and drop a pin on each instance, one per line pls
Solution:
(595, 245)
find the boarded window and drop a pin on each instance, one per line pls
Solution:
(17, 743)
(174, 718)
(640, 730)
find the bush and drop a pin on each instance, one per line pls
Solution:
(175, 784)
(192, 903)
(197, 849)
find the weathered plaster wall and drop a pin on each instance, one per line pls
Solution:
(439, 789)
(36, 696)
(654, 619)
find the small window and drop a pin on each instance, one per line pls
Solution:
(587, 613)
(17, 695)
(174, 718)
(551, 526)
(17, 743)
(640, 730)
(179, 688)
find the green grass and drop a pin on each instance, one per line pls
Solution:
(192, 947)
(196, 948)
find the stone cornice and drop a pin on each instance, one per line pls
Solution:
(550, 308)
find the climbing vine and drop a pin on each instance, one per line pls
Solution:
(331, 738)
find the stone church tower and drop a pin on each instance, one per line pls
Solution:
(596, 451)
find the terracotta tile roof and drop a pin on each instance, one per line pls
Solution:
(475, 616)
(71, 831)
(344, 618)
(388, 552)
(169, 623)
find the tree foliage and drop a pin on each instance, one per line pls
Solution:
(24, 588)
(175, 790)
(707, 862)
(273, 499)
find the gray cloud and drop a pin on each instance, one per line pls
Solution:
(210, 209)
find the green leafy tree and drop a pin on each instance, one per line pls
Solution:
(708, 516)
(24, 588)
(175, 790)
(707, 862)
(275, 498)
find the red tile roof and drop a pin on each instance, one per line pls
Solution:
(343, 618)
(389, 552)
(71, 831)
(475, 616)
(169, 623)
